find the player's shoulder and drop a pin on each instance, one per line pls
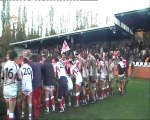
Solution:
(9, 63)
(29, 66)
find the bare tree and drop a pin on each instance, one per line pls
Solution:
(62, 24)
(38, 20)
(41, 25)
(77, 20)
(24, 20)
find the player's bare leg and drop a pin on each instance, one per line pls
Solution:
(77, 95)
(52, 99)
(29, 97)
(12, 104)
(46, 93)
(23, 105)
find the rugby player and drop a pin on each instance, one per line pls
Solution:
(26, 76)
(103, 68)
(61, 75)
(121, 75)
(111, 67)
(48, 82)
(92, 75)
(78, 81)
(10, 72)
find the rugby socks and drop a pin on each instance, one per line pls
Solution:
(11, 116)
(63, 102)
(77, 98)
(7, 114)
(53, 103)
(96, 96)
(107, 91)
(103, 93)
(94, 99)
(30, 117)
(69, 100)
(61, 108)
(119, 89)
(30, 109)
(22, 114)
(47, 104)
(84, 101)
(88, 97)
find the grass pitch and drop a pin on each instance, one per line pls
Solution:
(134, 105)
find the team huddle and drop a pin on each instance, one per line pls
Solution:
(71, 80)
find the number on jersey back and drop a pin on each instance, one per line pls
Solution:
(10, 72)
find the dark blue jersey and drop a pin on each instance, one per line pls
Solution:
(48, 73)
(121, 68)
(37, 77)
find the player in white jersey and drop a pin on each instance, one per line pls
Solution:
(10, 73)
(60, 74)
(103, 67)
(78, 80)
(111, 67)
(2, 66)
(92, 75)
(26, 76)
(85, 76)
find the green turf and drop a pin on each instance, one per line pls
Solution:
(134, 105)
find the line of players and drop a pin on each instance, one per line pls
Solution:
(85, 77)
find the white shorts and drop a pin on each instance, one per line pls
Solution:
(10, 91)
(79, 84)
(27, 89)
(121, 77)
(103, 79)
(49, 88)
(79, 81)
(70, 83)
(26, 93)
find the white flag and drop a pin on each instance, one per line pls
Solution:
(65, 47)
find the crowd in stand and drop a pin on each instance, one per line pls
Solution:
(135, 52)
(86, 75)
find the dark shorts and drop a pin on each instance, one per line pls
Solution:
(63, 87)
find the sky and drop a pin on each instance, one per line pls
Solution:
(104, 8)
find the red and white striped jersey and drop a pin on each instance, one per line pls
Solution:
(104, 71)
(77, 63)
(75, 71)
(59, 69)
